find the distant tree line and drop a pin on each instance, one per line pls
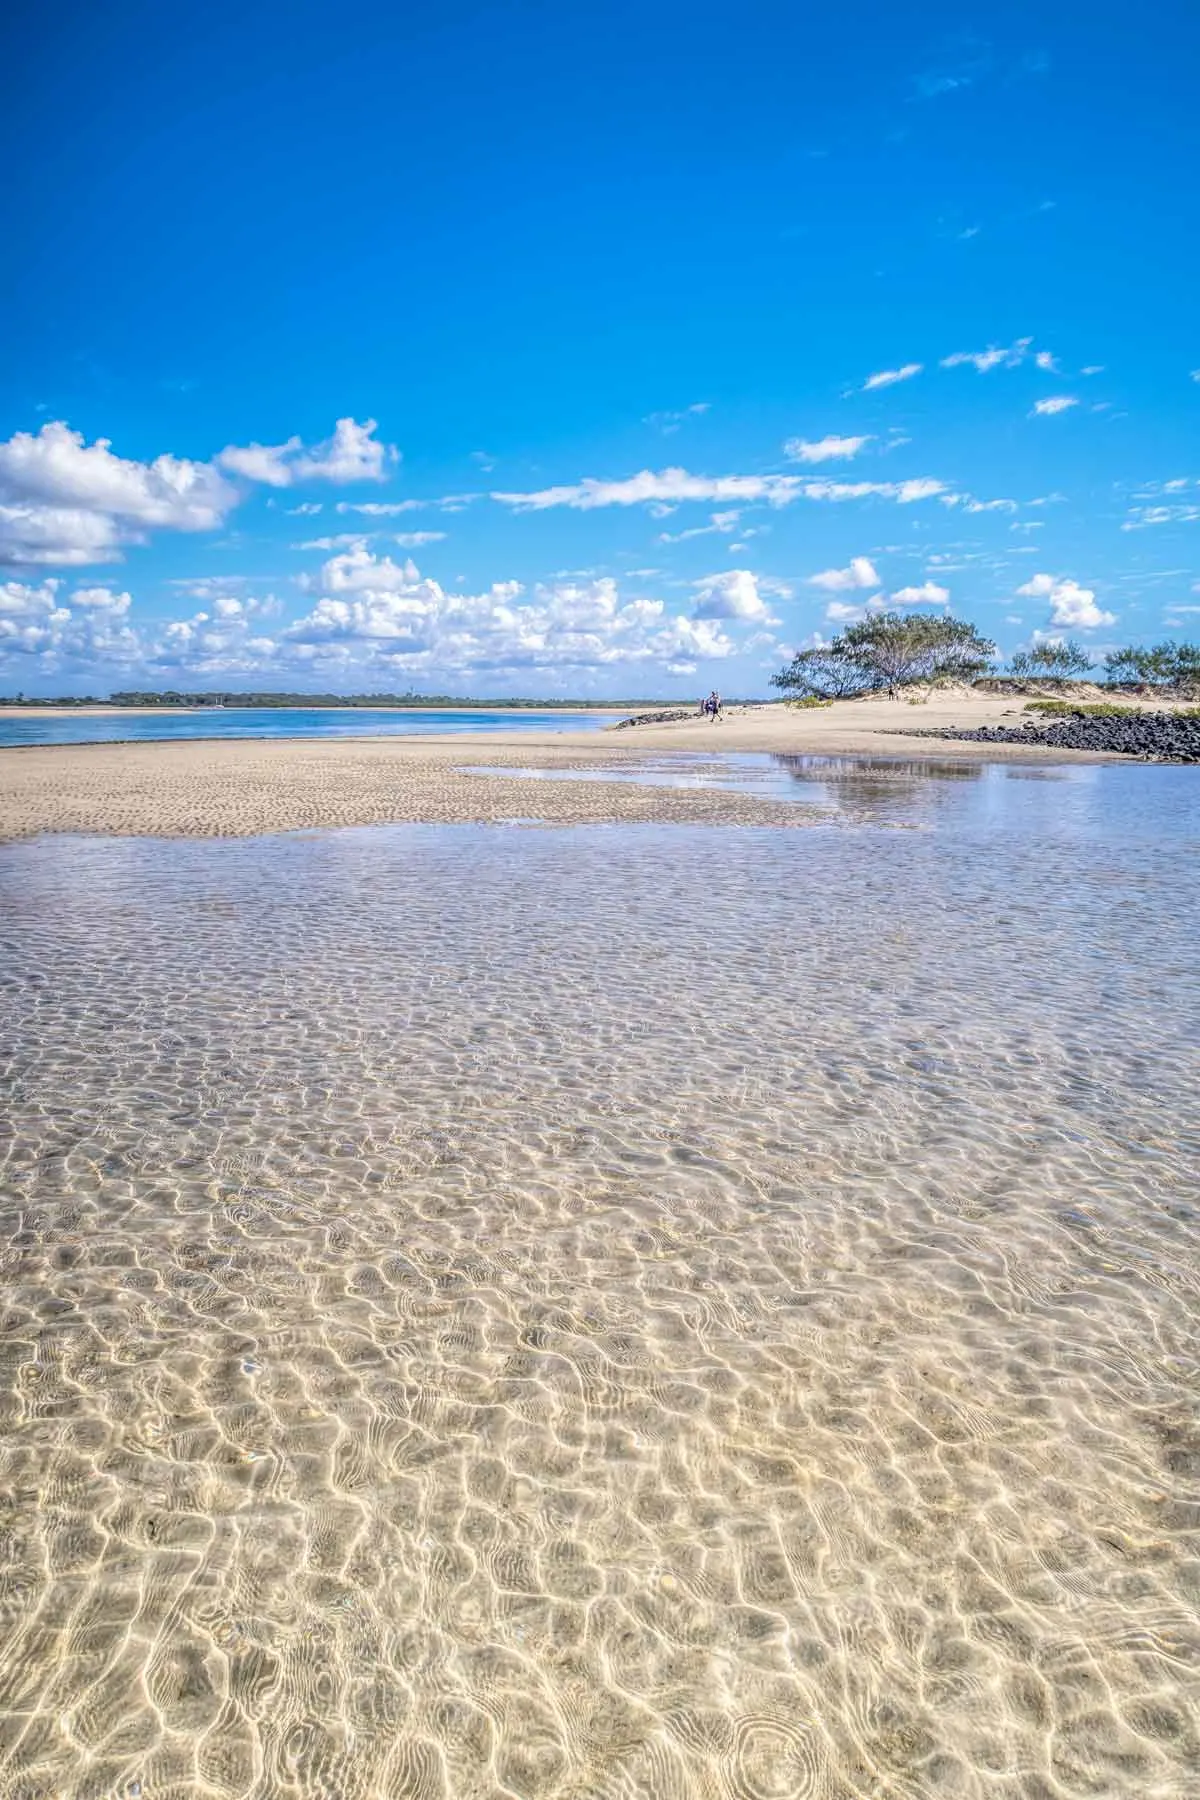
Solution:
(173, 697)
(890, 651)
(1167, 666)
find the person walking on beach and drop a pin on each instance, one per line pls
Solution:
(712, 706)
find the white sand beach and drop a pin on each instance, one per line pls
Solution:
(239, 787)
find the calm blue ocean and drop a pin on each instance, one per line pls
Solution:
(276, 722)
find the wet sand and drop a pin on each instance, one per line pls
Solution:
(242, 787)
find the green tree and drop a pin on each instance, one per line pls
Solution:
(824, 673)
(1165, 665)
(1053, 661)
(891, 650)
(897, 649)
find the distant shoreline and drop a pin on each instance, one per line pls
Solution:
(236, 787)
(26, 709)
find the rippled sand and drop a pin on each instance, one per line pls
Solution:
(501, 1313)
(232, 788)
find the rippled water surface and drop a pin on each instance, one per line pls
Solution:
(625, 1312)
(277, 722)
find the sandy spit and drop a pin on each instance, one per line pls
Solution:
(243, 787)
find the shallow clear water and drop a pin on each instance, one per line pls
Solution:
(277, 722)
(509, 1312)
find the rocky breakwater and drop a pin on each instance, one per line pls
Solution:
(658, 718)
(1151, 736)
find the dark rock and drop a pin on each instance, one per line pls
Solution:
(1153, 737)
(658, 718)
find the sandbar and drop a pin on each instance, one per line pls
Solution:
(240, 787)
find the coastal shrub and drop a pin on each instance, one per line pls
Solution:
(1165, 665)
(1056, 661)
(892, 651)
(1089, 709)
(809, 700)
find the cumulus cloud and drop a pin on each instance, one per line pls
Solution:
(1071, 606)
(1054, 403)
(86, 627)
(65, 501)
(927, 594)
(396, 620)
(860, 573)
(352, 454)
(842, 612)
(889, 377)
(733, 594)
(826, 449)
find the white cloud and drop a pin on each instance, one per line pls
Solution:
(395, 619)
(1142, 516)
(721, 523)
(68, 502)
(1071, 606)
(669, 422)
(842, 612)
(826, 449)
(992, 357)
(307, 509)
(413, 540)
(889, 377)
(376, 621)
(921, 487)
(860, 573)
(1054, 403)
(358, 571)
(971, 505)
(206, 587)
(1046, 362)
(671, 487)
(928, 594)
(1098, 369)
(352, 454)
(58, 468)
(338, 540)
(734, 594)
(101, 599)
(86, 627)
(59, 536)
(1195, 374)
(382, 509)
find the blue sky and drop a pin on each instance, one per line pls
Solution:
(663, 339)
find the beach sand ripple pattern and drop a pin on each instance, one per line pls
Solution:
(526, 1314)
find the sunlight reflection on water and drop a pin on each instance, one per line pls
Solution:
(612, 1312)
